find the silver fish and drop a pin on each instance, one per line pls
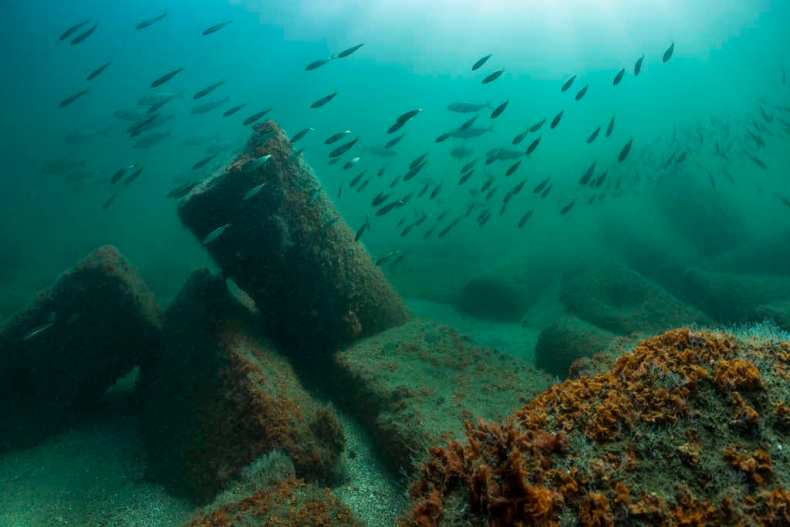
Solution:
(215, 234)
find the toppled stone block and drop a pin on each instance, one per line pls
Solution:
(622, 301)
(58, 356)
(415, 385)
(270, 227)
(566, 341)
(219, 396)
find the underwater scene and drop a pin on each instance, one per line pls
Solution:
(404, 263)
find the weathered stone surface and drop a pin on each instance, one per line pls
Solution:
(289, 250)
(269, 495)
(623, 301)
(220, 395)
(566, 341)
(416, 384)
(60, 355)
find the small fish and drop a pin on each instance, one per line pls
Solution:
(471, 133)
(588, 174)
(73, 29)
(449, 227)
(537, 126)
(481, 61)
(610, 128)
(625, 151)
(594, 135)
(469, 166)
(619, 77)
(513, 168)
(541, 186)
(150, 22)
(443, 137)
(546, 192)
(378, 199)
(531, 148)
(206, 107)
(107, 204)
(403, 119)
(351, 163)
(334, 138)
(208, 89)
(580, 95)
(418, 160)
(117, 176)
(487, 184)
(133, 176)
(567, 84)
(84, 35)
(435, 192)
(414, 171)
(231, 111)
(395, 181)
(323, 100)
(557, 119)
(215, 234)
(525, 218)
(37, 331)
(71, 98)
(567, 208)
(520, 137)
(492, 77)
(465, 177)
(255, 164)
(467, 107)
(668, 53)
(498, 110)
(254, 191)
(357, 179)
(515, 190)
(342, 149)
(756, 160)
(301, 133)
(98, 71)
(468, 123)
(317, 64)
(361, 230)
(256, 116)
(166, 77)
(363, 185)
(638, 66)
(381, 260)
(346, 52)
(203, 162)
(216, 27)
(182, 190)
(386, 209)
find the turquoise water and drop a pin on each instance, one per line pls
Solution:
(722, 100)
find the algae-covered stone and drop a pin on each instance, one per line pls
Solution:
(622, 301)
(567, 340)
(687, 429)
(58, 356)
(220, 395)
(288, 248)
(416, 384)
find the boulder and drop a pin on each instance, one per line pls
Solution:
(288, 248)
(58, 356)
(566, 341)
(220, 395)
(418, 383)
(491, 298)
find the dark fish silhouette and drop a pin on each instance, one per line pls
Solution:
(392, 142)
(625, 151)
(557, 119)
(480, 62)
(216, 27)
(323, 100)
(254, 117)
(537, 126)
(166, 77)
(513, 168)
(492, 77)
(525, 218)
(638, 66)
(73, 29)
(496, 113)
(520, 137)
(134, 175)
(403, 119)
(346, 52)
(71, 98)
(610, 128)
(588, 174)
(231, 111)
(84, 35)
(531, 148)
(668, 53)
(300, 134)
(203, 162)
(334, 138)
(443, 137)
(182, 190)
(208, 89)
(342, 149)
(619, 77)
(316, 64)
(594, 135)
(580, 95)
(567, 84)
(567, 208)
(117, 176)
(98, 71)
(541, 186)
(150, 22)
(435, 192)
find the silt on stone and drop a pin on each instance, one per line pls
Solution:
(288, 249)
(59, 356)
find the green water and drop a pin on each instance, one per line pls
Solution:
(724, 84)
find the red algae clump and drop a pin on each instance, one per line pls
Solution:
(687, 429)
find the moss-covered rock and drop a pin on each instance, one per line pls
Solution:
(416, 384)
(59, 356)
(566, 341)
(688, 429)
(220, 396)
